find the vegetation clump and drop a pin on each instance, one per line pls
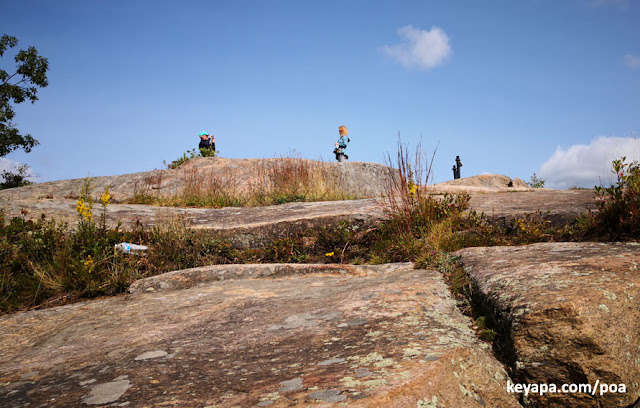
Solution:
(535, 182)
(618, 215)
(192, 154)
(17, 178)
(44, 262)
(413, 215)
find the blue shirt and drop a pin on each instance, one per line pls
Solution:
(342, 143)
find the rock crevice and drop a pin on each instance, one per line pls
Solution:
(568, 314)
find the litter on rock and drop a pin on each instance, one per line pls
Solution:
(127, 248)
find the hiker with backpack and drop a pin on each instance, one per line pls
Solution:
(341, 145)
(208, 142)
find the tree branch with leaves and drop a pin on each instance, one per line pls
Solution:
(17, 87)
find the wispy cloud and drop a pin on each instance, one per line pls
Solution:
(588, 165)
(7, 165)
(420, 49)
(12, 167)
(632, 61)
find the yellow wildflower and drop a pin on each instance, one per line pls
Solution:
(411, 183)
(412, 189)
(105, 197)
(84, 209)
(89, 261)
(329, 254)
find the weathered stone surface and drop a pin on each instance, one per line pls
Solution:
(107, 392)
(151, 354)
(572, 313)
(186, 278)
(557, 206)
(387, 337)
(484, 183)
(357, 178)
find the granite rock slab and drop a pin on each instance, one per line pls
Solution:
(570, 313)
(379, 337)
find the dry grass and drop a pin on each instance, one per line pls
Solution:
(417, 221)
(276, 181)
(294, 179)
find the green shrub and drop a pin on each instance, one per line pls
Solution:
(535, 182)
(619, 205)
(192, 154)
(206, 152)
(188, 155)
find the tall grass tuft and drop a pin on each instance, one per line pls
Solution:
(293, 179)
(414, 215)
(275, 181)
(205, 189)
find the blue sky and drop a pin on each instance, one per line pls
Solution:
(513, 87)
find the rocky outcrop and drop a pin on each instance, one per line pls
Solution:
(186, 278)
(555, 206)
(358, 179)
(387, 336)
(569, 313)
(484, 183)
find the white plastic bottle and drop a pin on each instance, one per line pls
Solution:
(127, 248)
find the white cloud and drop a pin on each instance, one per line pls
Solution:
(588, 165)
(7, 165)
(632, 61)
(421, 49)
(12, 166)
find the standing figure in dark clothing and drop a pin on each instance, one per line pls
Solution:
(456, 168)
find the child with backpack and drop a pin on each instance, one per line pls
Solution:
(341, 145)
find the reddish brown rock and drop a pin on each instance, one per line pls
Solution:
(571, 314)
(386, 336)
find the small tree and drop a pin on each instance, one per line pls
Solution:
(15, 88)
(536, 182)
